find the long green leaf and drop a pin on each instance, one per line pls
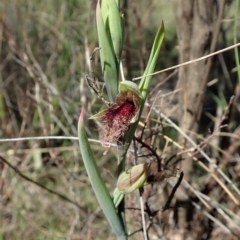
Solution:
(115, 28)
(152, 61)
(98, 185)
(107, 56)
(144, 85)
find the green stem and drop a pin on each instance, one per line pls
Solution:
(122, 151)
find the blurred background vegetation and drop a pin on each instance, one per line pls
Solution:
(45, 48)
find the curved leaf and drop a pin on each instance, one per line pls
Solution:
(98, 185)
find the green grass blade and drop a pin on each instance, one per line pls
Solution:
(219, 99)
(98, 185)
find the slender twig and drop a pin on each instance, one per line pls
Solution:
(216, 221)
(223, 185)
(205, 156)
(92, 82)
(170, 198)
(153, 151)
(51, 137)
(189, 62)
(60, 195)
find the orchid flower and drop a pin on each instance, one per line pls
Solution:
(115, 120)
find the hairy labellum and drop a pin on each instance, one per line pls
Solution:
(115, 120)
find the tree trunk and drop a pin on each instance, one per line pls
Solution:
(195, 20)
(194, 26)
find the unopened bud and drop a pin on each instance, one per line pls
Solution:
(133, 178)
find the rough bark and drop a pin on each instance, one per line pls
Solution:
(195, 21)
(195, 27)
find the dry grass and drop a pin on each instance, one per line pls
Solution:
(44, 190)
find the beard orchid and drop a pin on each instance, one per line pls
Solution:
(115, 120)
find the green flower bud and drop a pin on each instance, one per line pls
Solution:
(133, 178)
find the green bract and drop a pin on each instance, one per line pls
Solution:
(110, 35)
(131, 87)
